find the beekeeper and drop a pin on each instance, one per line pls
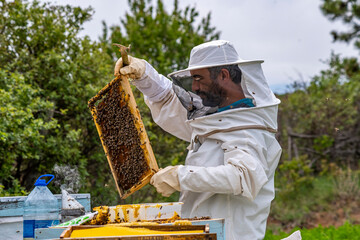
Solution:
(230, 119)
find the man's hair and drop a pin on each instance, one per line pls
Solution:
(234, 70)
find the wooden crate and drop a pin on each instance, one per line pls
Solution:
(168, 228)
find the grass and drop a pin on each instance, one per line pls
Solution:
(346, 231)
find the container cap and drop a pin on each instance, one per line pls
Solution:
(42, 182)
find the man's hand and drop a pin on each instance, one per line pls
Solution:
(134, 70)
(166, 181)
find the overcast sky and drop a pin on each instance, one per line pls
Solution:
(292, 36)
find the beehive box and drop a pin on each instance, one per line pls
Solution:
(123, 136)
(143, 232)
(216, 226)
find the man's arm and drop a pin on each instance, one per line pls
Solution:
(245, 170)
(171, 116)
(166, 109)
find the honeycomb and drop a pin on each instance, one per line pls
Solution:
(122, 134)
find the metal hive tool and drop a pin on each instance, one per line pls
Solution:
(122, 134)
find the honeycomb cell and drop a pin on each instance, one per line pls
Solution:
(120, 136)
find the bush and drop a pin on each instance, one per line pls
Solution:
(346, 185)
(292, 176)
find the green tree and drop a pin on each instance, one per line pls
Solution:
(321, 120)
(319, 127)
(48, 73)
(21, 130)
(348, 11)
(163, 39)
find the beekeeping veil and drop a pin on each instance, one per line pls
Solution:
(221, 53)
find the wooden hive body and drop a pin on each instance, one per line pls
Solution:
(176, 229)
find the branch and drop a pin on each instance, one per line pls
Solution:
(300, 135)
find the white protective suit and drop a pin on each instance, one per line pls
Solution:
(229, 170)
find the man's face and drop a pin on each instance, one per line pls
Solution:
(211, 93)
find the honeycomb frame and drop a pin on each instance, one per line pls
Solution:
(123, 136)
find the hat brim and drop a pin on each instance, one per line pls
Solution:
(186, 71)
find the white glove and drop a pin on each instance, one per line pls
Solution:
(166, 181)
(134, 70)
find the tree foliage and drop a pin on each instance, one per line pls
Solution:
(348, 11)
(164, 39)
(321, 120)
(48, 74)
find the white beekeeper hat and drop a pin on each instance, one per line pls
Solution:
(220, 53)
(212, 54)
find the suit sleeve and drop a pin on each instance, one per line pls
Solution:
(243, 172)
(166, 109)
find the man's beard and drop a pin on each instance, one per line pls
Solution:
(214, 97)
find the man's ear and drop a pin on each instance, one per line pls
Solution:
(225, 75)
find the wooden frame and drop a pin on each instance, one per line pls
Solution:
(124, 85)
(200, 236)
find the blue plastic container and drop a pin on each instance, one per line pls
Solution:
(41, 208)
